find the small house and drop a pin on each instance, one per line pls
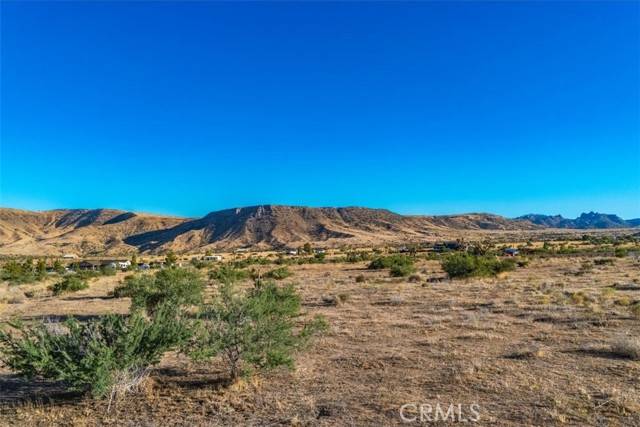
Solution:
(89, 265)
(212, 258)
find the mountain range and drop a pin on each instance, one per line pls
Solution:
(111, 232)
(584, 221)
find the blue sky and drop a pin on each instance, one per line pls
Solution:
(505, 107)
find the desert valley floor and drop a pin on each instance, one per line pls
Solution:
(535, 346)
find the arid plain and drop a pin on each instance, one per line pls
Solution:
(554, 342)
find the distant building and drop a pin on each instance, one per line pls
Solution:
(511, 252)
(212, 258)
(69, 256)
(89, 265)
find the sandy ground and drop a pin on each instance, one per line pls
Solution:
(523, 348)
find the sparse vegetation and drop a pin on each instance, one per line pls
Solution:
(23, 272)
(462, 265)
(398, 265)
(279, 273)
(627, 346)
(228, 273)
(69, 284)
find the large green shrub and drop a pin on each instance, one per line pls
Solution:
(462, 265)
(177, 285)
(97, 356)
(69, 284)
(252, 329)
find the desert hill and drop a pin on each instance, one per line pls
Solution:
(79, 231)
(110, 231)
(273, 226)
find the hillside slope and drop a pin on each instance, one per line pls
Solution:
(79, 231)
(273, 226)
(109, 231)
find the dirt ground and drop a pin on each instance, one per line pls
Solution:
(529, 348)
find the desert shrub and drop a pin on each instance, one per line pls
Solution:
(23, 272)
(254, 329)
(621, 252)
(227, 273)
(176, 285)
(199, 264)
(58, 267)
(278, 273)
(604, 261)
(69, 284)
(462, 265)
(249, 261)
(329, 299)
(360, 278)
(93, 356)
(319, 257)
(170, 259)
(414, 278)
(399, 265)
(626, 346)
(108, 271)
(401, 270)
(358, 256)
(389, 261)
(635, 309)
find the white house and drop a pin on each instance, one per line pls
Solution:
(212, 258)
(124, 264)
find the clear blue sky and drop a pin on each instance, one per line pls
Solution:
(506, 107)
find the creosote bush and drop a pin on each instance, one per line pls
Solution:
(463, 265)
(69, 284)
(93, 356)
(111, 355)
(398, 265)
(253, 329)
(178, 285)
